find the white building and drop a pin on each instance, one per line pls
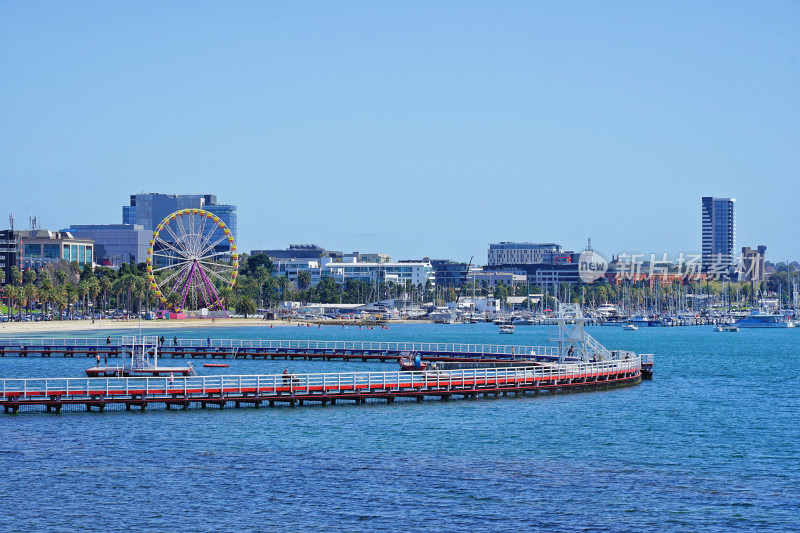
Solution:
(523, 253)
(416, 273)
(292, 267)
(492, 278)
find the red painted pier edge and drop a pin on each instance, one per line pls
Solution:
(223, 391)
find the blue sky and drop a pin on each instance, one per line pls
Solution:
(410, 128)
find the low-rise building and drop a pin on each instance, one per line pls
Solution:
(751, 267)
(39, 247)
(493, 278)
(417, 273)
(523, 253)
(291, 268)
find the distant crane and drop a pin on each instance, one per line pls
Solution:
(458, 297)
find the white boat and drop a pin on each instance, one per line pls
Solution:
(506, 328)
(759, 318)
(727, 328)
(629, 327)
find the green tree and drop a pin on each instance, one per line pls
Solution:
(304, 280)
(31, 294)
(329, 291)
(245, 306)
(173, 301)
(254, 262)
(11, 296)
(16, 275)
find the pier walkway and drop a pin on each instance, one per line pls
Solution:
(279, 349)
(55, 394)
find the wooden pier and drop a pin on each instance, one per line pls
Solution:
(87, 394)
(281, 349)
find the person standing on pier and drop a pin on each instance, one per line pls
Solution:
(97, 358)
(108, 341)
(208, 341)
(175, 341)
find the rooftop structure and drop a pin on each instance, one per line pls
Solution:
(300, 251)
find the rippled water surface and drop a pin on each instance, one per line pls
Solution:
(710, 445)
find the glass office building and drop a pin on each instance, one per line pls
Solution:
(148, 210)
(115, 243)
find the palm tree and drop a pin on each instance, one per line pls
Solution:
(11, 296)
(105, 285)
(129, 284)
(245, 306)
(60, 298)
(45, 290)
(82, 291)
(31, 293)
(22, 301)
(304, 280)
(94, 291)
(261, 276)
(71, 294)
(173, 300)
(139, 286)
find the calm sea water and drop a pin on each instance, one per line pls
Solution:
(710, 445)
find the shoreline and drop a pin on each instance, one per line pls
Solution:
(14, 328)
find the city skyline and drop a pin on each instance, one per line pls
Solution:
(410, 130)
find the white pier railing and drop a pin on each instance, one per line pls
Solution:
(330, 383)
(518, 351)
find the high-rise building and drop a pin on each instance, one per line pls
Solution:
(719, 234)
(150, 209)
(9, 251)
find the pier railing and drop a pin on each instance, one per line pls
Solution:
(167, 387)
(512, 351)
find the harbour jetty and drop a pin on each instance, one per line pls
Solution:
(89, 394)
(575, 362)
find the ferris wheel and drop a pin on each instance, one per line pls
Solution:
(192, 255)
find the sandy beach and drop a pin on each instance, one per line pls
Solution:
(100, 325)
(16, 328)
